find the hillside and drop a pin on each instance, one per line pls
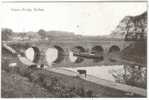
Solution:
(131, 27)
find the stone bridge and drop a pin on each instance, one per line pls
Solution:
(72, 53)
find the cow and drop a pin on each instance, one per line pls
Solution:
(80, 71)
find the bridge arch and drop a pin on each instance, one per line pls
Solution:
(61, 54)
(33, 54)
(74, 54)
(97, 49)
(98, 52)
(79, 49)
(55, 54)
(114, 49)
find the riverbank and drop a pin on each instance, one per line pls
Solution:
(54, 84)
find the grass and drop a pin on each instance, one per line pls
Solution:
(16, 86)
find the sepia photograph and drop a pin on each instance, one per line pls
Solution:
(74, 49)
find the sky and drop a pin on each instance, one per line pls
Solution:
(90, 19)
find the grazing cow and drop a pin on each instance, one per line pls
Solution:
(80, 71)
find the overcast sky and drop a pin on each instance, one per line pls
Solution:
(80, 18)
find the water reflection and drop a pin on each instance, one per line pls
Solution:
(126, 74)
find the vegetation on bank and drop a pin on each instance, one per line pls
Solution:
(41, 80)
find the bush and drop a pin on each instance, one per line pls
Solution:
(5, 66)
(89, 93)
(81, 92)
(57, 87)
(24, 71)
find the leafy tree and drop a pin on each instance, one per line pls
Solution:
(42, 33)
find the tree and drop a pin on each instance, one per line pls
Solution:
(6, 33)
(42, 33)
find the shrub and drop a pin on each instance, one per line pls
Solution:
(89, 93)
(81, 92)
(24, 71)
